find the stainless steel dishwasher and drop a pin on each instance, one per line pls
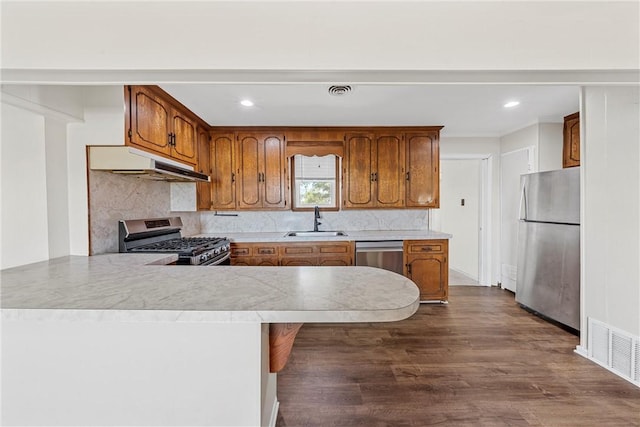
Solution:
(386, 254)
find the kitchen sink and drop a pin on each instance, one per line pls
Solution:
(315, 234)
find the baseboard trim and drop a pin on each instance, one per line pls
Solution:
(274, 413)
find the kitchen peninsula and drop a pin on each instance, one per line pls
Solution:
(124, 339)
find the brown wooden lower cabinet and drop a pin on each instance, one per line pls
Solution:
(426, 263)
(265, 254)
(293, 254)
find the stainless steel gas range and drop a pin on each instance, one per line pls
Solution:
(162, 235)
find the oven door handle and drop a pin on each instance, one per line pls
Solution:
(216, 261)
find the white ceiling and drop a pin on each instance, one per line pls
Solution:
(464, 110)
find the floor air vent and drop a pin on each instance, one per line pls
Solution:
(614, 349)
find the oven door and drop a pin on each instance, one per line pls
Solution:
(225, 259)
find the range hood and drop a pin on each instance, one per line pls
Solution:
(131, 161)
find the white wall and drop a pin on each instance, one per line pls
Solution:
(320, 35)
(57, 187)
(37, 174)
(550, 140)
(546, 140)
(521, 139)
(461, 179)
(611, 205)
(103, 124)
(89, 373)
(25, 236)
(486, 148)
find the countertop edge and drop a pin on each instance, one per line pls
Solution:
(192, 316)
(351, 235)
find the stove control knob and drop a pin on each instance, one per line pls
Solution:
(203, 258)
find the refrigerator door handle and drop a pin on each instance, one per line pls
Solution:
(522, 215)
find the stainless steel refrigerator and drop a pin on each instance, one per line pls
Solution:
(548, 278)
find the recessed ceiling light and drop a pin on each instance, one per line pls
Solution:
(247, 103)
(511, 104)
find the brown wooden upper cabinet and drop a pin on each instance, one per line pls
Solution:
(374, 170)
(571, 141)
(422, 176)
(204, 166)
(391, 168)
(156, 122)
(261, 171)
(223, 174)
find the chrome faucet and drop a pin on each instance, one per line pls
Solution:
(316, 217)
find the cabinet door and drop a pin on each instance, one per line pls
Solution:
(388, 153)
(430, 274)
(335, 254)
(264, 262)
(571, 145)
(274, 172)
(240, 254)
(184, 137)
(149, 120)
(336, 261)
(358, 171)
(422, 177)
(223, 175)
(298, 262)
(249, 175)
(204, 166)
(427, 265)
(261, 171)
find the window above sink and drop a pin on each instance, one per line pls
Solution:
(315, 182)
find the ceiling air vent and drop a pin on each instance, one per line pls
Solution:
(339, 90)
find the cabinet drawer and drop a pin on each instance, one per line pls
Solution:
(265, 250)
(435, 247)
(334, 249)
(297, 250)
(240, 251)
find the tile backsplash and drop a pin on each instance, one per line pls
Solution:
(397, 219)
(113, 197)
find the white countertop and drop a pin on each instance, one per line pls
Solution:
(127, 287)
(373, 235)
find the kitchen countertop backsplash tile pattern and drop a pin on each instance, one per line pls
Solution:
(114, 197)
(268, 221)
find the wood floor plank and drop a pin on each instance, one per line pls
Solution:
(481, 360)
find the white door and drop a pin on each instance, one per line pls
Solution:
(459, 213)
(512, 165)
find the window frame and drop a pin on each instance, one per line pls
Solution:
(337, 187)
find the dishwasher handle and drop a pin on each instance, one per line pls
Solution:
(381, 249)
(379, 246)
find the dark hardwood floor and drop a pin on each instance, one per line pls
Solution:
(481, 360)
